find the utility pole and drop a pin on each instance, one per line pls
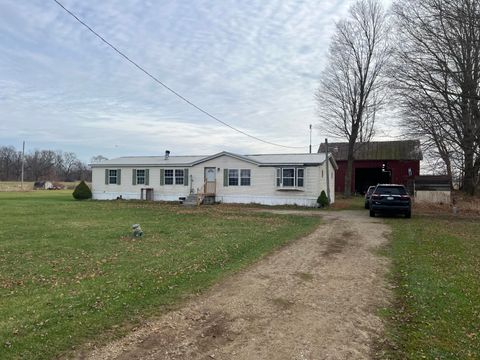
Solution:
(310, 138)
(23, 161)
(328, 171)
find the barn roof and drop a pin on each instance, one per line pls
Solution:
(377, 150)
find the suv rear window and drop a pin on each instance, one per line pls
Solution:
(391, 190)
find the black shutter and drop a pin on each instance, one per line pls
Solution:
(185, 177)
(162, 177)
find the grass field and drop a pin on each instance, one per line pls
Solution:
(12, 186)
(436, 273)
(348, 203)
(16, 186)
(70, 272)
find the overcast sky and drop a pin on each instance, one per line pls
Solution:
(253, 64)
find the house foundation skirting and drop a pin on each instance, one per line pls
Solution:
(228, 199)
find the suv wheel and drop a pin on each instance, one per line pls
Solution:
(372, 213)
(408, 214)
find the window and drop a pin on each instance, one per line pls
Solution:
(179, 177)
(245, 177)
(140, 177)
(168, 177)
(176, 177)
(300, 173)
(112, 176)
(232, 177)
(290, 177)
(391, 190)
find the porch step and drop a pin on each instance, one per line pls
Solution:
(190, 200)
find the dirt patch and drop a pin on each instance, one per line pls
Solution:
(304, 276)
(314, 299)
(282, 303)
(338, 243)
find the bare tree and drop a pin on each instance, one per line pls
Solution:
(353, 87)
(437, 74)
(10, 162)
(98, 159)
(42, 165)
(67, 164)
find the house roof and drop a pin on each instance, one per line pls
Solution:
(377, 150)
(282, 159)
(258, 159)
(149, 160)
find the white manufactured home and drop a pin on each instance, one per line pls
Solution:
(275, 179)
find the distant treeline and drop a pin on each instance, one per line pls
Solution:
(42, 165)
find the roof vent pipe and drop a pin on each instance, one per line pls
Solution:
(167, 154)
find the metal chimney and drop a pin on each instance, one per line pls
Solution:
(167, 154)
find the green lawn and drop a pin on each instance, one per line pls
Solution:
(71, 273)
(436, 270)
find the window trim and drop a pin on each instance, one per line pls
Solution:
(279, 178)
(249, 177)
(137, 176)
(230, 177)
(177, 176)
(110, 176)
(302, 177)
(294, 178)
(173, 179)
(167, 178)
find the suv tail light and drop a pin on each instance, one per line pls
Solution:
(376, 197)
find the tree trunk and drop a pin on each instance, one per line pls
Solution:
(469, 172)
(348, 178)
(349, 172)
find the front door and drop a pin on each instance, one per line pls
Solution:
(210, 180)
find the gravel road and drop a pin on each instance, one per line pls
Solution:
(316, 298)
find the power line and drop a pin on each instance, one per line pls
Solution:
(154, 78)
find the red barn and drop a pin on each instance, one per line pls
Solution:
(377, 162)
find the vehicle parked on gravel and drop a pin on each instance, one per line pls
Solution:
(391, 199)
(368, 194)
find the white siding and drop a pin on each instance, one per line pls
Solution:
(262, 190)
(435, 197)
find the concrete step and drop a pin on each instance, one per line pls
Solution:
(190, 200)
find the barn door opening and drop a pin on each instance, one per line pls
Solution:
(370, 177)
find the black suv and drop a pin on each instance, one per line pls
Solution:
(390, 198)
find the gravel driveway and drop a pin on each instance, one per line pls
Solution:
(313, 299)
